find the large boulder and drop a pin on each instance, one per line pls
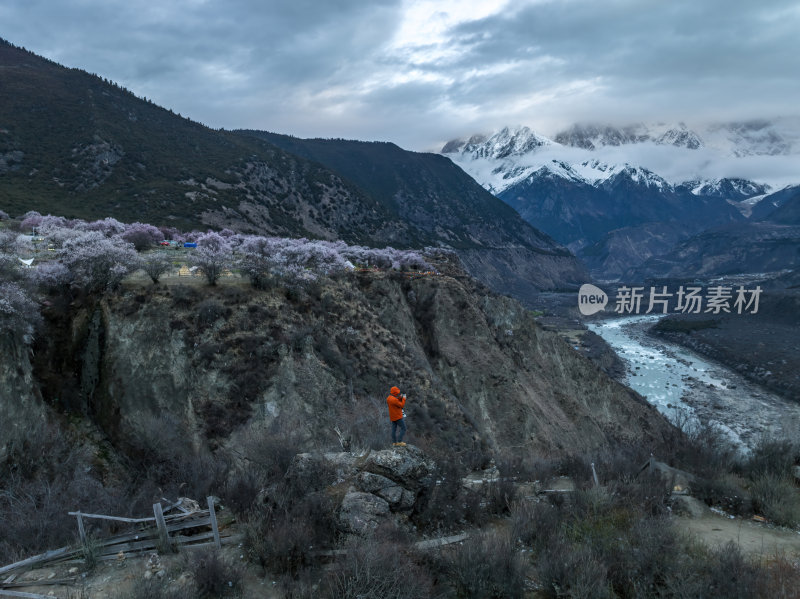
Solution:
(360, 513)
(407, 466)
(399, 499)
(379, 485)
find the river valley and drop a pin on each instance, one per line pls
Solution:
(683, 385)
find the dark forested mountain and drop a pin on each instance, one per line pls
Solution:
(76, 145)
(425, 190)
(768, 242)
(780, 207)
(588, 191)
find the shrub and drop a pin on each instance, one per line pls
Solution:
(41, 480)
(777, 499)
(535, 524)
(500, 496)
(19, 313)
(775, 457)
(488, 566)
(376, 567)
(573, 572)
(728, 574)
(277, 542)
(241, 491)
(209, 311)
(269, 451)
(725, 491)
(442, 507)
(160, 450)
(215, 576)
(156, 588)
(184, 295)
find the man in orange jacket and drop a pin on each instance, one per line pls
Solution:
(396, 403)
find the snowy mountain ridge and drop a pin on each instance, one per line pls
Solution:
(707, 158)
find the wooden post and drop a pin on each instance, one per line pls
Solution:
(81, 530)
(162, 525)
(4, 593)
(213, 517)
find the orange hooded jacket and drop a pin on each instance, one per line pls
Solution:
(395, 403)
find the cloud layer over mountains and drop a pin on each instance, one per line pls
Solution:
(419, 72)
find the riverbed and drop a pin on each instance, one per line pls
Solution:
(683, 385)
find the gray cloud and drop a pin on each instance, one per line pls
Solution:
(335, 68)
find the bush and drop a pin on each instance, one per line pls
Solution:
(376, 567)
(215, 576)
(209, 311)
(725, 491)
(40, 481)
(728, 574)
(777, 499)
(159, 589)
(184, 296)
(535, 524)
(283, 537)
(572, 572)
(500, 496)
(158, 449)
(442, 507)
(269, 451)
(488, 566)
(775, 457)
(241, 492)
(19, 313)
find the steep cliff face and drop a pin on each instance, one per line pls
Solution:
(21, 408)
(223, 362)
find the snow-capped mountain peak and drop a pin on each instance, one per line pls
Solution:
(506, 142)
(729, 188)
(693, 158)
(595, 137)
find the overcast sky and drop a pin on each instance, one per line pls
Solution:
(420, 72)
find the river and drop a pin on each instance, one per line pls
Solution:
(683, 384)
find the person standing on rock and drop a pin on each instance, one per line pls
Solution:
(396, 403)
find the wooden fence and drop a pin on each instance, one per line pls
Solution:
(174, 525)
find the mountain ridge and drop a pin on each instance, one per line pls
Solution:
(76, 145)
(584, 189)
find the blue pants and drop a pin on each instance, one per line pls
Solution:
(398, 424)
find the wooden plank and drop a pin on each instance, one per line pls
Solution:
(36, 559)
(213, 517)
(162, 526)
(81, 530)
(25, 595)
(133, 536)
(189, 524)
(36, 583)
(115, 518)
(441, 541)
(149, 545)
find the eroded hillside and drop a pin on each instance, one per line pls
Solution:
(219, 361)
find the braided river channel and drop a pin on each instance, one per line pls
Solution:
(687, 387)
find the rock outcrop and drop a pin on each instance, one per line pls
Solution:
(374, 487)
(228, 361)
